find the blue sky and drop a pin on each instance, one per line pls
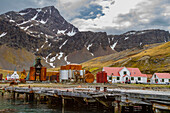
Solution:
(111, 16)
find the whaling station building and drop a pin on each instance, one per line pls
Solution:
(123, 75)
(161, 78)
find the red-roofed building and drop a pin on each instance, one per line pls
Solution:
(160, 78)
(123, 74)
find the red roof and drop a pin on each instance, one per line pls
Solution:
(135, 72)
(163, 75)
(113, 70)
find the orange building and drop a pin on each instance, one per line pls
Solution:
(37, 72)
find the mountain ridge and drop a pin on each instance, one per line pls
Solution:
(32, 29)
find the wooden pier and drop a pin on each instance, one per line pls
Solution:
(113, 100)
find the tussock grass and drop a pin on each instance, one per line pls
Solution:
(150, 59)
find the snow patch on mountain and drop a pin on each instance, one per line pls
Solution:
(142, 32)
(11, 21)
(60, 55)
(34, 17)
(109, 40)
(46, 40)
(53, 58)
(63, 44)
(72, 33)
(52, 65)
(49, 45)
(3, 34)
(65, 58)
(88, 47)
(39, 10)
(27, 27)
(43, 22)
(61, 31)
(114, 45)
(131, 33)
(24, 22)
(92, 54)
(126, 38)
(46, 60)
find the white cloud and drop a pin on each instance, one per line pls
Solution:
(119, 15)
(127, 15)
(71, 8)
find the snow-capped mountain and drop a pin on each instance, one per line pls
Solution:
(44, 32)
(41, 22)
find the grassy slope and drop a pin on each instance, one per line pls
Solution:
(15, 58)
(150, 59)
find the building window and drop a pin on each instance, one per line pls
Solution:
(155, 76)
(139, 78)
(110, 78)
(118, 78)
(124, 72)
(162, 80)
(132, 78)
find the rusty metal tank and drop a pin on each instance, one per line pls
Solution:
(89, 78)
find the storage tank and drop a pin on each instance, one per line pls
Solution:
(82, 73)
(70, 73)
(64, 75)
(89, 78)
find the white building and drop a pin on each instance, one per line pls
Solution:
(15, 76)
(160, 78)
(8, 77)
(123, 74)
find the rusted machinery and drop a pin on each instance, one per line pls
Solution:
(75, 73)
(89, 77)
(71, 72)
(53, 76)
(23, 76)
(37, 72)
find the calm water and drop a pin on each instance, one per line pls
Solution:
(19, 106)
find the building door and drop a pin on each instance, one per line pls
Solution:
(126, 80)
(156, 80)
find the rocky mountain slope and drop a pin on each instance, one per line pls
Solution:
(149, 59)
(44, 32)
(40, 22)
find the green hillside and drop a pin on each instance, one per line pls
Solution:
(149, 59)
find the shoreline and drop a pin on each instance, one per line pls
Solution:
(87, 85)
